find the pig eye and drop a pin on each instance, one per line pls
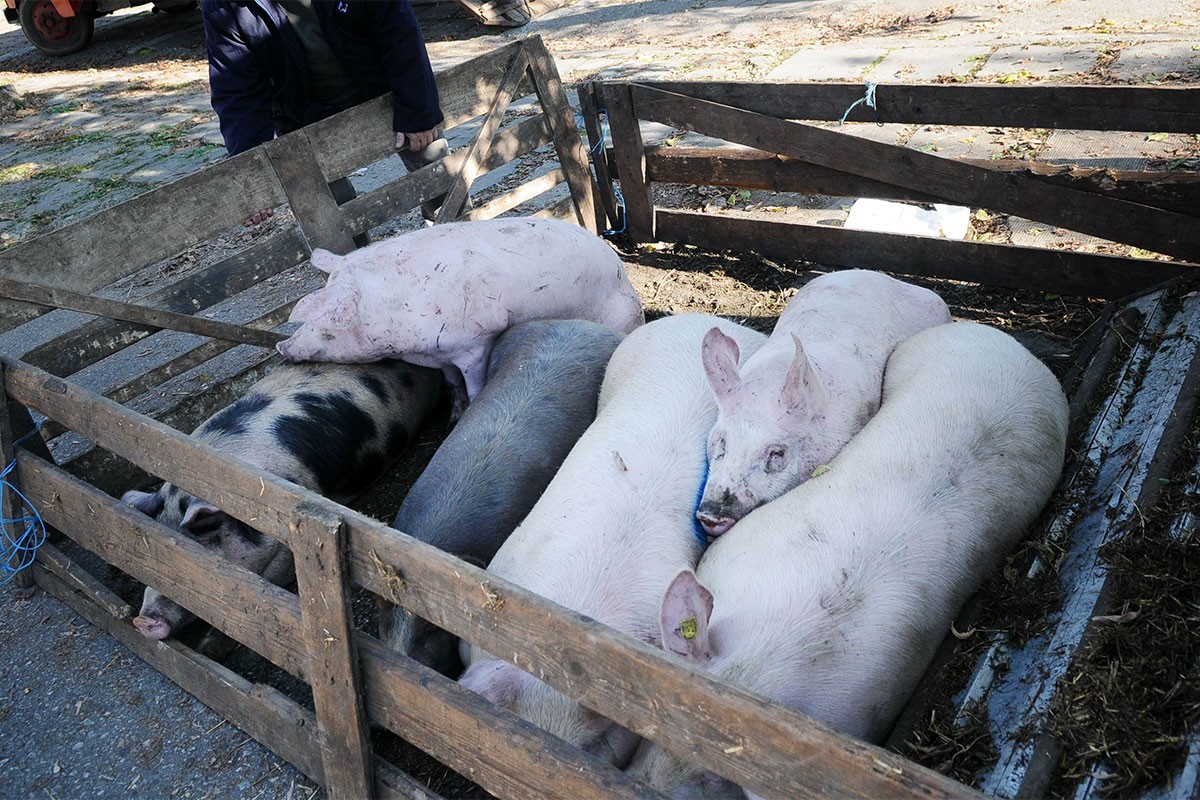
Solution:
(716, 450)
(776, 459)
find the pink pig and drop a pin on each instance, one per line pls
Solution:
(811, 387)
(438, 297)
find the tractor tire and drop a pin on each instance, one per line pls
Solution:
(52, 33)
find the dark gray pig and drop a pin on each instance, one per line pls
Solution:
(330, 428)
(543, 380)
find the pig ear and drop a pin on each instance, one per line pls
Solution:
(149, 503)
(802, 386)
(334, 307)
(201, 518)
(719, 353)
(325, 260)
(686, 609)
(494, 680)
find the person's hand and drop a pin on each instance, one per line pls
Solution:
(258, 217)
(415, 142)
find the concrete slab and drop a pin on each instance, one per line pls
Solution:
(1112, 150)
(951, 141)
(828, 64)
(1142, 62)
(1039, 61)
(923, 64)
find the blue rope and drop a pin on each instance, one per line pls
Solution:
(869, 99)
(18, 552)
(593, 152)
(697, 529)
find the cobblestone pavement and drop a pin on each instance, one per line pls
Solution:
(80, 716)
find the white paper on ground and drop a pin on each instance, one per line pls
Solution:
(884, 216)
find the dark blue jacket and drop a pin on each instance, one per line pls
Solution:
(259, 78)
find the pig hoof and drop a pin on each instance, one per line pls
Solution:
(715, 526)
(152, 628)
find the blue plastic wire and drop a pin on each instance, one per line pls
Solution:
(19, 551)
(869, 99)
(593, 152)
(697, 529)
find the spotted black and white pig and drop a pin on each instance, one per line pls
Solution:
(543, 380)
(794, 403)
(328, 427)
(440, 296)
(617, 522)
(833, 598)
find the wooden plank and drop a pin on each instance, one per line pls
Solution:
(97, 339)
(522, 194)
(1061, 271)
(468, 170)
(318, 543)
(55, 561)
(465, 90)
(261, 616)
(307, 189)
(1172, 109)
(131, 312)
(20, 558)
(1129, 223)
(630, 161)
(564, 209)
(407, 192)
(280, 724)
(599, 156)
(93, 252)
(571, 154)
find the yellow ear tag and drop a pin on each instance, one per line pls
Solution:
(687, 628)
(821, 470)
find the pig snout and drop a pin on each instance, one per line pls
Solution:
(714, 523)
(152, 627)
(720, 510)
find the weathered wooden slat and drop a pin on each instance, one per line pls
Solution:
(564, 209)
(1104, 108)
(465, 90)
(477, 151)
(51, 558)
(523, 193)
(131, 312)
(97, 339)
(755, 169)
(756, 743)
(318, 544)
(598, 154)
(90, 253)
(275, 721)
(408, 191)
(18, 561)
(571, 154)
(1061, 271)
(308, 193)
(1129, 223)
(630, 161)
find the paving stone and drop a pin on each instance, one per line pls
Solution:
(951, 141)
(827, 64)
(1039, 61)
(1142, 61)
(1109, 149)
(923, 64)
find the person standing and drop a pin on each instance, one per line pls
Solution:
(277, 65)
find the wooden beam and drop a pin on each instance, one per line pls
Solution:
(1171, 109)
(523, 193)
(453, 202)
(598, 153)
(295, 164)
(21, 557)
(318, 543)
(630, 161)
(567, 143)
(1060, 271)
(1129, 223)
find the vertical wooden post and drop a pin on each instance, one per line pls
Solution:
(598, 155)
(318, 544)
(295, 164)
(572, 156)
(16, 423)
(629, 153)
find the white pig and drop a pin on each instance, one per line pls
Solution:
(439, 296)
(617, 521)
(811, 387)
(832, 599)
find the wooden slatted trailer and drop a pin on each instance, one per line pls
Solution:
(195, 269)
(1132, 465)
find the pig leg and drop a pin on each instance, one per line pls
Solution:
(458, 391)
(466, 376)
